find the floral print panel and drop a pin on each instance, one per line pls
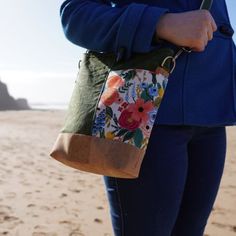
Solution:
(128, 105)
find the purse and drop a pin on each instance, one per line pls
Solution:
(112, 110)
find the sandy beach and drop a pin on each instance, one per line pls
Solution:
(41, 197)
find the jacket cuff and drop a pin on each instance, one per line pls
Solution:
(138, 27)
(144, 39)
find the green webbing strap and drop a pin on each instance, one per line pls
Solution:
(206, 4)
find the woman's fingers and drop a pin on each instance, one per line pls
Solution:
(211, 29)
(213, 24)
(196, 32)
(209, 34)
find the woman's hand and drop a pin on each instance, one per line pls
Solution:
(191, 29)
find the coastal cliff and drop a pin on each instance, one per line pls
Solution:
(7, 102)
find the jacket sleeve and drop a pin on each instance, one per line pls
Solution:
(97, 26)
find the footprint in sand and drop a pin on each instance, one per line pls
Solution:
(219, 224)
(39, 170)
(63, 195)
(7, 219)
(4, 233)
(17, 166)
(25, 183)
(80, 181)
(232, 228)
(21, 175)
(66, 222)
(98, 220)
(43, 234)
(40, 227)
(74, 190)
(10, 195)
(76, 232)
(45, 208)
(4, 211)
(42, 231)
(28, 163)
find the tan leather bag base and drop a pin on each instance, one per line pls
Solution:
(89, 153)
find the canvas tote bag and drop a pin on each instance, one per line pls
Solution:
(112, 111)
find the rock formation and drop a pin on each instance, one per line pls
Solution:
(7, 102)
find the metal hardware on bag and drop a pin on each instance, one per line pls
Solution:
(188, 50)
(206, 4)
(173, 61)
(173, 58)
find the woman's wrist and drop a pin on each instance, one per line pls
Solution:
(161, 27)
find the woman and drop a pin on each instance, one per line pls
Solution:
(182, 169)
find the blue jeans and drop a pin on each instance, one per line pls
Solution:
(177, 186)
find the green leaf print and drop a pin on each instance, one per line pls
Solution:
(121, 132)
(158, 85)
(109, 111)
(145, 95)
(102, 134)
(115, 119)
(129, 74)
(138, 138)
(154, 79)
(164, 84)
(125, 88)
(128, 136)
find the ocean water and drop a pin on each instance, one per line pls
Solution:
(49, 106)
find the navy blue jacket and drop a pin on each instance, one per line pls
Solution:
(202, 88)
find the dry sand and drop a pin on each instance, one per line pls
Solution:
(41, 197)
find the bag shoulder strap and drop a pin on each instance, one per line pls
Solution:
(206, 4)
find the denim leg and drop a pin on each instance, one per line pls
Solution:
(149, 205)
(206, 158)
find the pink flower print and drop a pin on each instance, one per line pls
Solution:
(140, 109)
(146, 129)
(119, 100)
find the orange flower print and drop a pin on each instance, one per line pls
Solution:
(140, 109)
(115, 81)
(109, 96)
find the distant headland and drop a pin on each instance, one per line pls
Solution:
(7, 102)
